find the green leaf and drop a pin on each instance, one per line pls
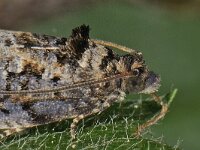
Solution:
(113, 129)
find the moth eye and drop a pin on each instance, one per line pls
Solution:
(136, 72)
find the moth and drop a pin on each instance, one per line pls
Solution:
(44, 79)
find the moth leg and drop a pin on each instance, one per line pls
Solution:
(154, 119)
(10, 132)
(2, 135)
(73, 126)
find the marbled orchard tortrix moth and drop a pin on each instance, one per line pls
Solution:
(44, 79)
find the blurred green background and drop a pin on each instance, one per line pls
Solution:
(169, 41)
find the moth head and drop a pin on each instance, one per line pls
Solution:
(141, 80)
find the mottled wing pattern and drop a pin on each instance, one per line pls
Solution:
(31, 62)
